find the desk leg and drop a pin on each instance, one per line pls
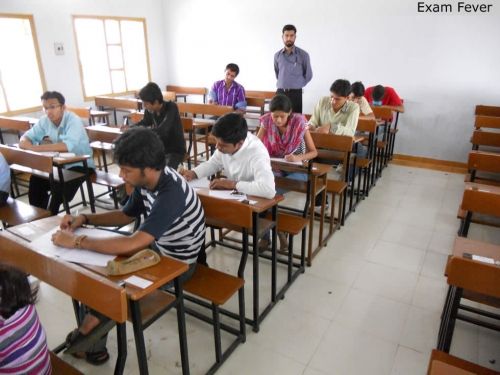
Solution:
(256, 273)
(121, 338)
(90, 190)
(273, 256)
(139, 337)
(181, 322)
(61, 182)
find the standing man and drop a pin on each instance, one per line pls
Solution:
(293, 69)
(58, 131)
(227, 91)
(164, 119)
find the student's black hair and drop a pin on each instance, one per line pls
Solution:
(151, 93)
(231, 128)
(341, 87)
(358, 89)
(280, 102)
(15, 291)
(233, 67)
(140, 148)
(53, 95)
(289, 28)
(378, 93)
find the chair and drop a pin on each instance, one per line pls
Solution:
(82, 112)
(102, 142)
(474, 280)
(369, 128)
(336, 148)
(484, 168)
(487, 110)
(183, 92)
(442, 363)
(216, 287)
(384, 115)
(489, 122)
(480, 204)
(192, 140)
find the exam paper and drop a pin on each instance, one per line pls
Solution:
(44, 245)
(202, 183)
(227, 194)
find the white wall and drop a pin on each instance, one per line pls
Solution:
(441, 64)
(53, 23)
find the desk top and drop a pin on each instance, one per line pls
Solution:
(464, 245)
(260, 205)
(160, 274)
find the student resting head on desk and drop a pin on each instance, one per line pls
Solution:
(174, 224)
(23, 344)
(58, 131)
(241, 155)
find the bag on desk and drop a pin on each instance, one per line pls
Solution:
(138, 261)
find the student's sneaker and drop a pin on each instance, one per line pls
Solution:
(317, 209)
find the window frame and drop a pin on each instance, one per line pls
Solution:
(37, 108)
(103, 19)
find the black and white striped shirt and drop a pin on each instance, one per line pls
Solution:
(174, 216)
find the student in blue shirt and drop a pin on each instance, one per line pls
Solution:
(4, 180)
(60, 131)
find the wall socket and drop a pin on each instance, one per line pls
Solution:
(59, 48)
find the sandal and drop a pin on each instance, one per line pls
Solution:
(78, 342)
(94, 358)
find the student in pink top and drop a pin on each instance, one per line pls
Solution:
(23, 345)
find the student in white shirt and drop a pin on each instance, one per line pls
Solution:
(241, 155)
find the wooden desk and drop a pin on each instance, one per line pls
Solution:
(117, 104)
(162, 273)
(261, 205)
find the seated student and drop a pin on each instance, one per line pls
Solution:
(285, 135)
(4, 180)
(335, 114)
(23, 344)
(356, 95)
(60, 131)
(164, 119)
(386, 96)
(228, 91)
(241, 155)
(174, 224)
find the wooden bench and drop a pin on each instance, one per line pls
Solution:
(481, 205)
(266, 95)
(183, 91)
(11, 125)
(255, 107)
(82, 112)
(60, 367)
(442, 363)
(218, 287)
(384, 115)
(487, 110)
(368, 127)
(486, 141)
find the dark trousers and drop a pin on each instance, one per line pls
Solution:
(295, 96)
(39, 189)
(3, 197)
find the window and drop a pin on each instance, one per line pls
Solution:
(113, 54)
(21, 78)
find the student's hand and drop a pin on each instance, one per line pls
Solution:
(188, 175)
(222, 184)
(70, 223)
(323, 129)
(64, 238)
(124, 128)
(291, 157)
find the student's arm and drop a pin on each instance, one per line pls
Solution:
(263, 184)
(25, 143)
(315, 120)
(396, 108)
(210, 167)
(115, 218)
(212, 95)
(241, 102)
(310, 147)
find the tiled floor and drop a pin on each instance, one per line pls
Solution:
(370, 304)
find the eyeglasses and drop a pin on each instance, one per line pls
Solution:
(51, 107)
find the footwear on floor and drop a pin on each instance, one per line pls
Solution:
(263, 245)
(283, 241)
(78, 342)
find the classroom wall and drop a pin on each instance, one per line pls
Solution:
(53, 23)
(441, 64)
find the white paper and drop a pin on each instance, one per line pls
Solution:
(227, 194)
(138, 282)
(202, 183)
(282, 160)
(480, 258)
(67, 154)
(44, 245)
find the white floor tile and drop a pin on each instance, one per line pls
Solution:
(434, 265)
(397, 256)
(430, 294)
(421, 330)
(410, 362)
(408, 235)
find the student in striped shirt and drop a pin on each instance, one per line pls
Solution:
(174, 223)
(23, 345)
(228, 91)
